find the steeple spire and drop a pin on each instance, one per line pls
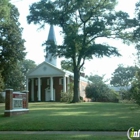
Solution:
(51, 35)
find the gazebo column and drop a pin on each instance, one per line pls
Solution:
(64, 84)
(39, 89)
(32, 90)
(51, 88)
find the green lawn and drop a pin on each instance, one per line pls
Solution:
(80, 116)
(60, 137)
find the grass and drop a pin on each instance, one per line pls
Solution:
(60, 137)
(73, 117)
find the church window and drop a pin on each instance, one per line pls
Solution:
(61, 81)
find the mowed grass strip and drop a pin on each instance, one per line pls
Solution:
(44, 116)
(59, 137)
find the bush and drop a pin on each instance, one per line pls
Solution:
(67, 96)
(1, 98)
(81, 99)
(100, 92)
(113, 96)
(136, 94)
(1, 83)
(125, 95)
(135, 89)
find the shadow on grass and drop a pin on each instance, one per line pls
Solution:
(84, 116)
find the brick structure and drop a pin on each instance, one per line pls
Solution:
(16, 103)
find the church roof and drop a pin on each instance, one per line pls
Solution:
(46, 69)
(81, 77)
(51, 35)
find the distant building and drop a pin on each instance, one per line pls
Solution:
(48, 80)
(118, 89)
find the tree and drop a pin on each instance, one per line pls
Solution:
(27, 65)
(11, 42)
(67, 65)
(95, 79)
(123, 76)
(135, 89)
(17, 77)
(82, 22)
(1, 82)
(4, 11)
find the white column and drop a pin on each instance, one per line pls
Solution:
(39, 89)
(32, 90)
(64, 84)
(68, 82)
(27, 82)
(51, 88)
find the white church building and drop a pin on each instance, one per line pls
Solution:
(48, 80)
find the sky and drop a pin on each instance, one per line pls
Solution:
(104, 66)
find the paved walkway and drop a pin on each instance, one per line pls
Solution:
(96, 133)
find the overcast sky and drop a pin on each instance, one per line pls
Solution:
(34, 39)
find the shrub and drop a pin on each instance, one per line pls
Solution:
(135, 89)
(1, 83)
(100, 92)
(67, 96)
(136, 94)
(125, 95)
(81, 99)
(1, 98)
(113, 96)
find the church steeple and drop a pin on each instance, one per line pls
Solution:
(51, 37)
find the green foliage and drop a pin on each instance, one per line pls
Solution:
(81, 99)
(15, 79)
(67, 65)
(17, 76)
(136, 31)
(11, 44)
(135, 89)
(123, 76)
(125, 94)
(112, 96)
(4, 12)
(67, 96)
(100, 92)
(95, 78)
(27, 65)
(136, 24)
(1, 98)
(82, 22)
(1, 82)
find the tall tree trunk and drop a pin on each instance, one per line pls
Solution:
(76, 96)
